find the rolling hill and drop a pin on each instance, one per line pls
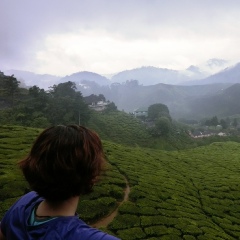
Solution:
(29, 79)
(228, 75)
(150, 76)
(187, 194)
(178, 98)
(222, 104)
(84, 77)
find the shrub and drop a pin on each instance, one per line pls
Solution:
(124, 221)
(130, 234)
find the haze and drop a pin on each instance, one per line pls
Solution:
(107, 36)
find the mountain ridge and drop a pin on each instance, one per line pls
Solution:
(146, 75)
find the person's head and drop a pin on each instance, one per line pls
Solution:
(64, 162)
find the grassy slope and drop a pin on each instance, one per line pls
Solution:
(192, 194)
(121, 128)
(14, 143)
(187, 194)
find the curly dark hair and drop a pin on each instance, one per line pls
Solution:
(64, 162)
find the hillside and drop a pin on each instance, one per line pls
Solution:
(29, 79)
(84, 77)
(187, 194)
(150, 76)
(121, 128)
(228, 75)
(128, 97)
(224, 103)
(179, 195)
(35, 107)
(154, 75)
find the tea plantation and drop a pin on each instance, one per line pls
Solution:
(187, 194)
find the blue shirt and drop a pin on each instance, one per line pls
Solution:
(15, 224)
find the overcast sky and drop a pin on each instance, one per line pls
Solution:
(61, 37)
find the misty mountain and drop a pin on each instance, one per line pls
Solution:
(216, 64)
(130, 96)
(29, 79)
(145, 76)
(228, 75)
(225, 102)
(150, 76)
(84, 77)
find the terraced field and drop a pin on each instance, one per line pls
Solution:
(190, 194)
(15, 142)
(193, 194)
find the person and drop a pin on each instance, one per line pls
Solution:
(64, 163)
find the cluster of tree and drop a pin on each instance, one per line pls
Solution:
(35, 107)
(225, 123)
(93, 99)
(159, 114)
(8, 89)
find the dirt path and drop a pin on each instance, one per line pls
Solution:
(106, 220)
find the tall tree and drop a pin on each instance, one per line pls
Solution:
(163, 125)
(66, 106)
(235, 122)
(223, 123)
(9, 87)
(158, 110)
(63, 89)
(214, 121)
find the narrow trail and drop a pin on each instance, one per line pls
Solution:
(109, 218)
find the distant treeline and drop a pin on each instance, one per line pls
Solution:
(35, 107)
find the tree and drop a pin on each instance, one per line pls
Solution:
(163, 126)
(110, 107)
(63, 89)
(66, 106)
(223, 123)
(132, 83)
(94, 98)
(214, 121)
(235, 122)
(9, 87)
(38, 99)
(158, 110)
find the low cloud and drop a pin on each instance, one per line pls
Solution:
(61, 37)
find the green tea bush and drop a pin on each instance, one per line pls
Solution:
(124, 221)
(188, 237)
(129, 207)
(132, 233)
(93, 210)
(188, 194)
(156, 231)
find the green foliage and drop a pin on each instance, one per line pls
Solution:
(91, 210)
(235, 122)
(94, 98)
(120, 127)
(132, 233)
(35, 107)
(9, 88)
(124, 221)
(66, 106)
(186, 194)
(158, 110)
(212, 122)
(14, 142)
(163, 126)
(110, 107)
